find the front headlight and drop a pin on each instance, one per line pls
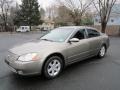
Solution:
(29, 57)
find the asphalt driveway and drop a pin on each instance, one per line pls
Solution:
(91, 74)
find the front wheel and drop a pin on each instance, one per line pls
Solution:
(52, 67)
(102, 52)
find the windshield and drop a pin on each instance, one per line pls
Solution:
(57, 35)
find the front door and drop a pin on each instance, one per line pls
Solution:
(78, 50)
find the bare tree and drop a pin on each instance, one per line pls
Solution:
(63, 17)
(51, 12)
(5, 8)
(12, 16)
(42, 11)
(77, 7)
(104, 8)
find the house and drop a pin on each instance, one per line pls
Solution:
(114, 17)
(47, 25)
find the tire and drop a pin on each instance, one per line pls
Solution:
(102, 52)
(52, 67)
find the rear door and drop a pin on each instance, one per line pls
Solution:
(94, 41)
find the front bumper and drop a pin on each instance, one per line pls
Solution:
(25, 68)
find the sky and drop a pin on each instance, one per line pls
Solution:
(43, 3)
(46, 3)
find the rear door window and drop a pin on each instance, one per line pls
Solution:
(92, 33)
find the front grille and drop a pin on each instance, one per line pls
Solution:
(11, 56)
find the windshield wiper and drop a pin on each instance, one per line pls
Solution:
(47, 40)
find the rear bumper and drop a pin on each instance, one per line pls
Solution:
(25, 68)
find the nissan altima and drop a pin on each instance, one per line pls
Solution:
(57, 49)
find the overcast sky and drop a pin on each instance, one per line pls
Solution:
(43, 3)
(46, 3)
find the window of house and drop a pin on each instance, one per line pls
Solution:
(112, 20)
(99, 20)
(96, 20)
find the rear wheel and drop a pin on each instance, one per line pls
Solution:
(102, 52)
(52, 67)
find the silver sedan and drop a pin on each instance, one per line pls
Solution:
(57, 49)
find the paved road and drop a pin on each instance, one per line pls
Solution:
(91, 74)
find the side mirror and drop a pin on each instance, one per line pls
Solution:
(74, 40)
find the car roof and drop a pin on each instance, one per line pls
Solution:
(77, 27)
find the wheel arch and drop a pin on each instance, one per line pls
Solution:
(104, 44)
(54, 54)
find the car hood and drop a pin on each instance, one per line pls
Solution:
(37, 46)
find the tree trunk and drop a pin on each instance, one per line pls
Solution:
(77, 22)
(103, 27)
(5, 26)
